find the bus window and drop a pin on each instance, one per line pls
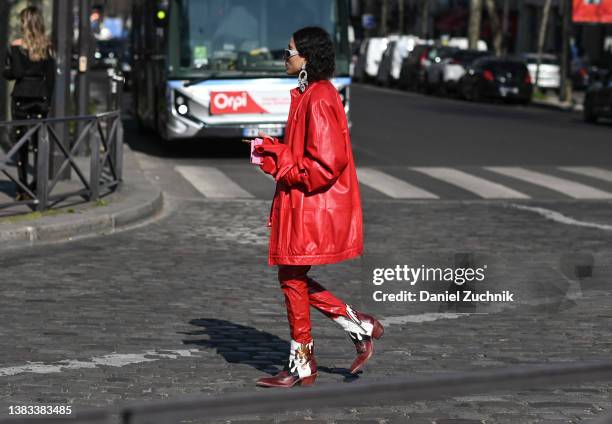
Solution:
(245, 35)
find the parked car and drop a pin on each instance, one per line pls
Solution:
(550, 72)
(434, 74)
(383, 77)
(598, 96)
(390, 65)
(492, 77)
(405, 44)
(579, 73)
(463, 43)
(373, 52)
(414, 67)
(455, 67)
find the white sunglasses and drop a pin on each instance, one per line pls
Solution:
(290, 53)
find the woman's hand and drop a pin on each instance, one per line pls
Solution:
(268, 165)
(261, 135)
(17, 42)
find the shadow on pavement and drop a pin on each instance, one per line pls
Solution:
(150, 143)
(242, 344)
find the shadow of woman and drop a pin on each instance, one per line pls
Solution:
(242, 344)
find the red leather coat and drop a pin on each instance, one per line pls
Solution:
(316, 215)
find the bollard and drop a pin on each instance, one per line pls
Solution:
(94, 170)
(42, 171)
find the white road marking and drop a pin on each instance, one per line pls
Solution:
(562, 185)
(111, 360)
(212, 183)
(425, 317)
(590, 171)
(479, 186)
(391, 186)
(559, 217)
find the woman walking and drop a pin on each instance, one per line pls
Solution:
(30, 63)
(316, 215)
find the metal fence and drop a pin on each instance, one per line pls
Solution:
(100, 134)
(391, 391)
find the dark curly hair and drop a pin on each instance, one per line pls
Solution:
(317, 47)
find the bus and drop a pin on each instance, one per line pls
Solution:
(215, 68)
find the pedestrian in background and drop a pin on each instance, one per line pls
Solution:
(30, 63)
(316, 215)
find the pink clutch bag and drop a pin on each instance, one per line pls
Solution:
(256, 158)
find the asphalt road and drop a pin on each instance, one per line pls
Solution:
(187, 304)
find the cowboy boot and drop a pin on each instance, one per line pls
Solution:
(362, 329)
(301, 368)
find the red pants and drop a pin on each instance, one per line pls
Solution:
(301, 292)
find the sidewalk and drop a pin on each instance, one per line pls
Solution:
(136, 200)
(553, 102)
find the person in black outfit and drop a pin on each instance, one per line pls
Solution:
(30, 63)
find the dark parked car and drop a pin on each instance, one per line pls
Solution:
(501, 78)
(579, 73)
(414, 66)
(384, 69)
(598, 96)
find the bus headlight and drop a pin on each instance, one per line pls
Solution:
(182, 109)
(181, 104)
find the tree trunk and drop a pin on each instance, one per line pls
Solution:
(495, 26)
(424, 19)
(400, 26)
(474, 23)
(542, 39)
(505, 24)
(383, 17)
(566, 86)
(370, 9)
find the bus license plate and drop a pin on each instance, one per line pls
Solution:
(254, 131)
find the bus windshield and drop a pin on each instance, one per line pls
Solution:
(235, 37)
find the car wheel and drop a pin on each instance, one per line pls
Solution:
(588, 113)
(442, 89)
(475, 95)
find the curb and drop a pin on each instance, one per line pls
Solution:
(577, 107)
(136, 200)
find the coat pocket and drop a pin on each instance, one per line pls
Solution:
(304, 232)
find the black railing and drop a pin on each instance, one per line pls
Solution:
(391, 391)
(102, 137)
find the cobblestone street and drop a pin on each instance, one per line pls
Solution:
(188, 305)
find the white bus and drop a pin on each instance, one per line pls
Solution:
(215, 68)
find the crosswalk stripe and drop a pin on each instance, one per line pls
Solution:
(391, 186)
(562, 185)
(211, 182)
(590, 171)
(479, 186)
